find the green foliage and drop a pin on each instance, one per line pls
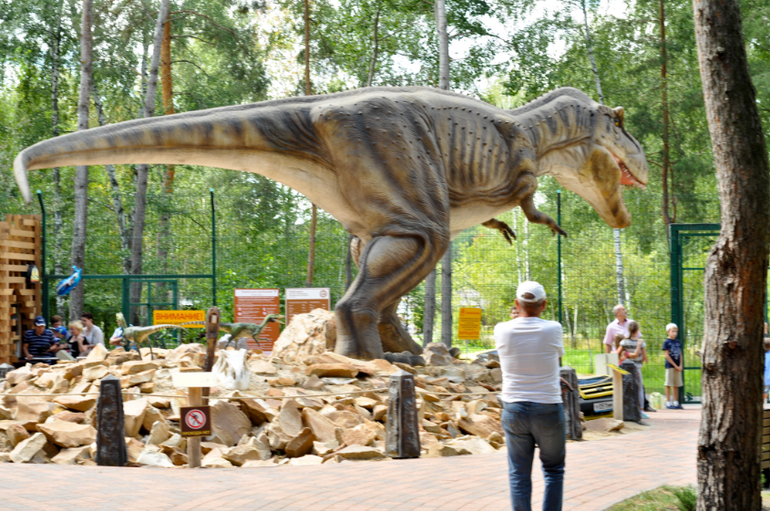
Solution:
(688, 498)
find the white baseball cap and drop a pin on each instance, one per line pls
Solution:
(533, 288)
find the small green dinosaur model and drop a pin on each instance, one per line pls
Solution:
(139, 334)
(239, 330)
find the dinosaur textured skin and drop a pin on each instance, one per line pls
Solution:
(404, 170)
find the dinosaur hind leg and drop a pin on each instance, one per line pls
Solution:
(393, 336)
(389, 267)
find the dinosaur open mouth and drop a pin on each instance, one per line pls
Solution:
(626, 176)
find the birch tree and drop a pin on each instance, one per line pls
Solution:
(137, 244)
(619, 278)
(79, 230)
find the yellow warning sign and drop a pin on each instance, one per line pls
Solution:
(177, 317)
(469, 326)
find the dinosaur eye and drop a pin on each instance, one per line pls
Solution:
(617, 123)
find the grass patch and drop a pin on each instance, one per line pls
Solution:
(664, 498)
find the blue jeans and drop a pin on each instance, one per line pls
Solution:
(527, 424)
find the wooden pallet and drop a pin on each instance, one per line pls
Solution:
(20, 246)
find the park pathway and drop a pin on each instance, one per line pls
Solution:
(599, 473)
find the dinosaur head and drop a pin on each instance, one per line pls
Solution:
(603, 164)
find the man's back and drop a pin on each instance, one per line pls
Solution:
(529, 350)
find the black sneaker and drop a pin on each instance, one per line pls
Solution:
(650, 409)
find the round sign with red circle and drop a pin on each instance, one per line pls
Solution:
(195, 419)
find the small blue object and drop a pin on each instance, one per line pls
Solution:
(64, 287)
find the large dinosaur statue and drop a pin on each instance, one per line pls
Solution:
(238, 330)
(404, 170)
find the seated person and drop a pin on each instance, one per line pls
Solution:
(60, 334)
(80, 346)
(40, 342)
(117, 340)
(56, 322)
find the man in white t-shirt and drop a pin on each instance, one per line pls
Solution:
(530, 351)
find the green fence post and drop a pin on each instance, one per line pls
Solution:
(43, 275)
(213, 250)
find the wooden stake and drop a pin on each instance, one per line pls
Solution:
(194, 398)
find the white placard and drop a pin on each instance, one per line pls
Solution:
(307, 293)
(256, 292)
(198, 379)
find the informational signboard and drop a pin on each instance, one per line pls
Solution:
(302, 300)
(177, 317)
(196, 420)
(469, 325)
(252, 306)
(196, 379)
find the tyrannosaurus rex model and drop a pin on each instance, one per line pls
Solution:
(405, 170)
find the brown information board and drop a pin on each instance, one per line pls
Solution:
(252, 306)
(302, 300)
(196, 420)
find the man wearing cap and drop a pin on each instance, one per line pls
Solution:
(530, 351)
(40, 342)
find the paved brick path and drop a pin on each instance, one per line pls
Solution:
(599, 473)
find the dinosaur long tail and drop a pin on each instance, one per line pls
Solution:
(244, 137)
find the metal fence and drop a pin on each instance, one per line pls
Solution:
(259, 252)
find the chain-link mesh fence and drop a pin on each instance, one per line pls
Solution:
(258, 250)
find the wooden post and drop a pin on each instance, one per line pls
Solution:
(617, 396)
(194, 398)
(617, 391)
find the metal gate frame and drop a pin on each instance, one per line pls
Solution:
(46, 279)
(678, 236)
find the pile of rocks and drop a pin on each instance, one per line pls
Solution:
(315, 408)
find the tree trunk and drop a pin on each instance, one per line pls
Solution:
(117, 198)
(527, 275)
(348, 264)
(736, 269)
(429, 312)
(518, 247)
(373, 62)
(165, 235)
(314, 211)
(79, 229)
(311, 247)
(446, 260)
(615, 232)
(140, 206)
(664, 105)
(58, 220)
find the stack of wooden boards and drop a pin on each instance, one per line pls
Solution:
(20, 302)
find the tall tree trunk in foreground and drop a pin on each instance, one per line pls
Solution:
(446, 260)
(58, 220)
(79, 230)
(140, 204)
(736, 269)
(619, 280)
(314, 210)
(117, 198)
(165, 236)
(664, 105)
